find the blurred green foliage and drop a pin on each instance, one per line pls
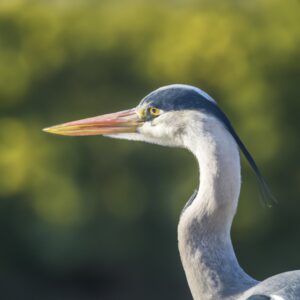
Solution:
(93, 218)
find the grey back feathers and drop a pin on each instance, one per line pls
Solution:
(185, 97)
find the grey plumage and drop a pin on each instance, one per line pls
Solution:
(285, 285)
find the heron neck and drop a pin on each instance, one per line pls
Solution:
(206, 251)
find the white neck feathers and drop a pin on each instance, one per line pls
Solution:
(204, 239)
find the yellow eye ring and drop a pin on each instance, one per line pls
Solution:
(154, 111)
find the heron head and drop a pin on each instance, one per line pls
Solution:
(162, 117)
(167, 116)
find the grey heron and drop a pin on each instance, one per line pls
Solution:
(184, 116)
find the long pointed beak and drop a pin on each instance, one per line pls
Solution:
(126, 121)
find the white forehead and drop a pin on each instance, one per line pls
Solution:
(188, 87)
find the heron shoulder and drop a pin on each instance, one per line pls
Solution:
(284, 286)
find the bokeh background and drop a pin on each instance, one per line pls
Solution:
(94, 218)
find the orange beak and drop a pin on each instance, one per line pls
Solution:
(126, 121)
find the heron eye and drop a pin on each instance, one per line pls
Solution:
(154, 111)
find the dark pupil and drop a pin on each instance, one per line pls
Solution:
(154, 110)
